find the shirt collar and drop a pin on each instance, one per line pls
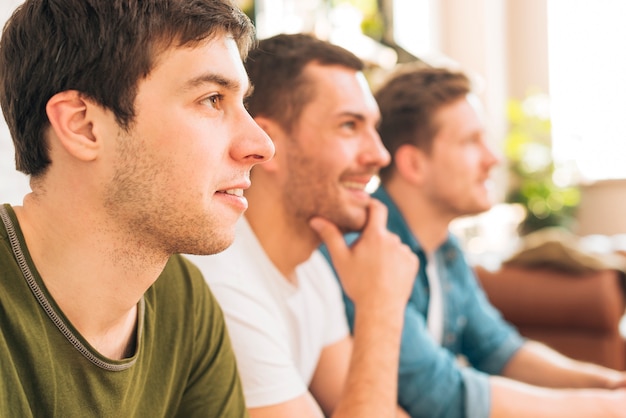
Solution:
(397, 224)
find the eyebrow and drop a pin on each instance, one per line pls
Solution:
(354, 115)
(357, 115)
(211, 78)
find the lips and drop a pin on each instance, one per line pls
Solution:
(234, 192)
(233, 198)
(354, 185)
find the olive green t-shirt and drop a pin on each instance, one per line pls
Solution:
(183, 364)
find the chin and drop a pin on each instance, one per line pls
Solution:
(215, 243)
(220, 246)
(222, 241)
(353, 224)
(480, 208)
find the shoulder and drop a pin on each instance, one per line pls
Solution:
(454, 256)
(318, 274)
(181, 294)
(241, 280)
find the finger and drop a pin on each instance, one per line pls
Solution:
(330, 235)
(377, 215)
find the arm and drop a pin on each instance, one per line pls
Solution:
(430, 380)
(257, 330)
(304, 406)
(512, 399)
(330, 375)
(518, 394)
(538, 364)
(377, 272)
(540, 382)
(325, 390)
(373, 367)
(487, 340)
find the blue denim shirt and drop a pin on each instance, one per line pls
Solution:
(431, 383)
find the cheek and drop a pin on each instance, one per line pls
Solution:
(190, 168)
(456, 169)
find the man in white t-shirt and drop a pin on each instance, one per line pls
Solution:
(282, 303)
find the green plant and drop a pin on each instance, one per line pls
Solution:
(548, 203)
(372, 23)
(248, 7)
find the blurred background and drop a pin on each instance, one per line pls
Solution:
(549, 73)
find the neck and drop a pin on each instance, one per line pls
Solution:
(428, 224)
(84, 263)
(287, 241)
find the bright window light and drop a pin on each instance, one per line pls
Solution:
(413, 26)
(587, 65)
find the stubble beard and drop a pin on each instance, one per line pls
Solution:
(318, 200)
(311, 190)
(155, 224)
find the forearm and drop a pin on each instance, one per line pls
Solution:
(511, 399)
(371, 385)
(540, 365)
(377, 272)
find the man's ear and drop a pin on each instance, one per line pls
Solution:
(410, 162)
(71, 118)
(277, 135)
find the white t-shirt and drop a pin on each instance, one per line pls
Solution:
(434, 318)
(278, 329)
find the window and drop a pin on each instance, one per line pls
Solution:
(414, 26)
(587, 66)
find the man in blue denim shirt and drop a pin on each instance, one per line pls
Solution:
(440, 170)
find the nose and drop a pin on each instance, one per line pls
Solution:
(490, 158)
(374, 152)
(254, 146)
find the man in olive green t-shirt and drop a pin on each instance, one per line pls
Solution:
(128, 115)
(181, 363)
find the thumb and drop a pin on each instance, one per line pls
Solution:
(330, 235)
(376, 218)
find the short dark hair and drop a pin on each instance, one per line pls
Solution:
(275, 68)
(408, 101)
(102, 49)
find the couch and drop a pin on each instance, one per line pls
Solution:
(578, 315)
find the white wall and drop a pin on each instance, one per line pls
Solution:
(602, 208)
(473, 33)
(527, 47)
(13, 184)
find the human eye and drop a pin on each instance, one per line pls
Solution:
(348, 125)
(214, 100)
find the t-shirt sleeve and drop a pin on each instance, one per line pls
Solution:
(213, 387)
(264, 360)
(336, 321)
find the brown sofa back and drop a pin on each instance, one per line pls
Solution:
(576, 315)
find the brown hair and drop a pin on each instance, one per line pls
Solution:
(275, 68)
(101, 48)
(408, 102)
